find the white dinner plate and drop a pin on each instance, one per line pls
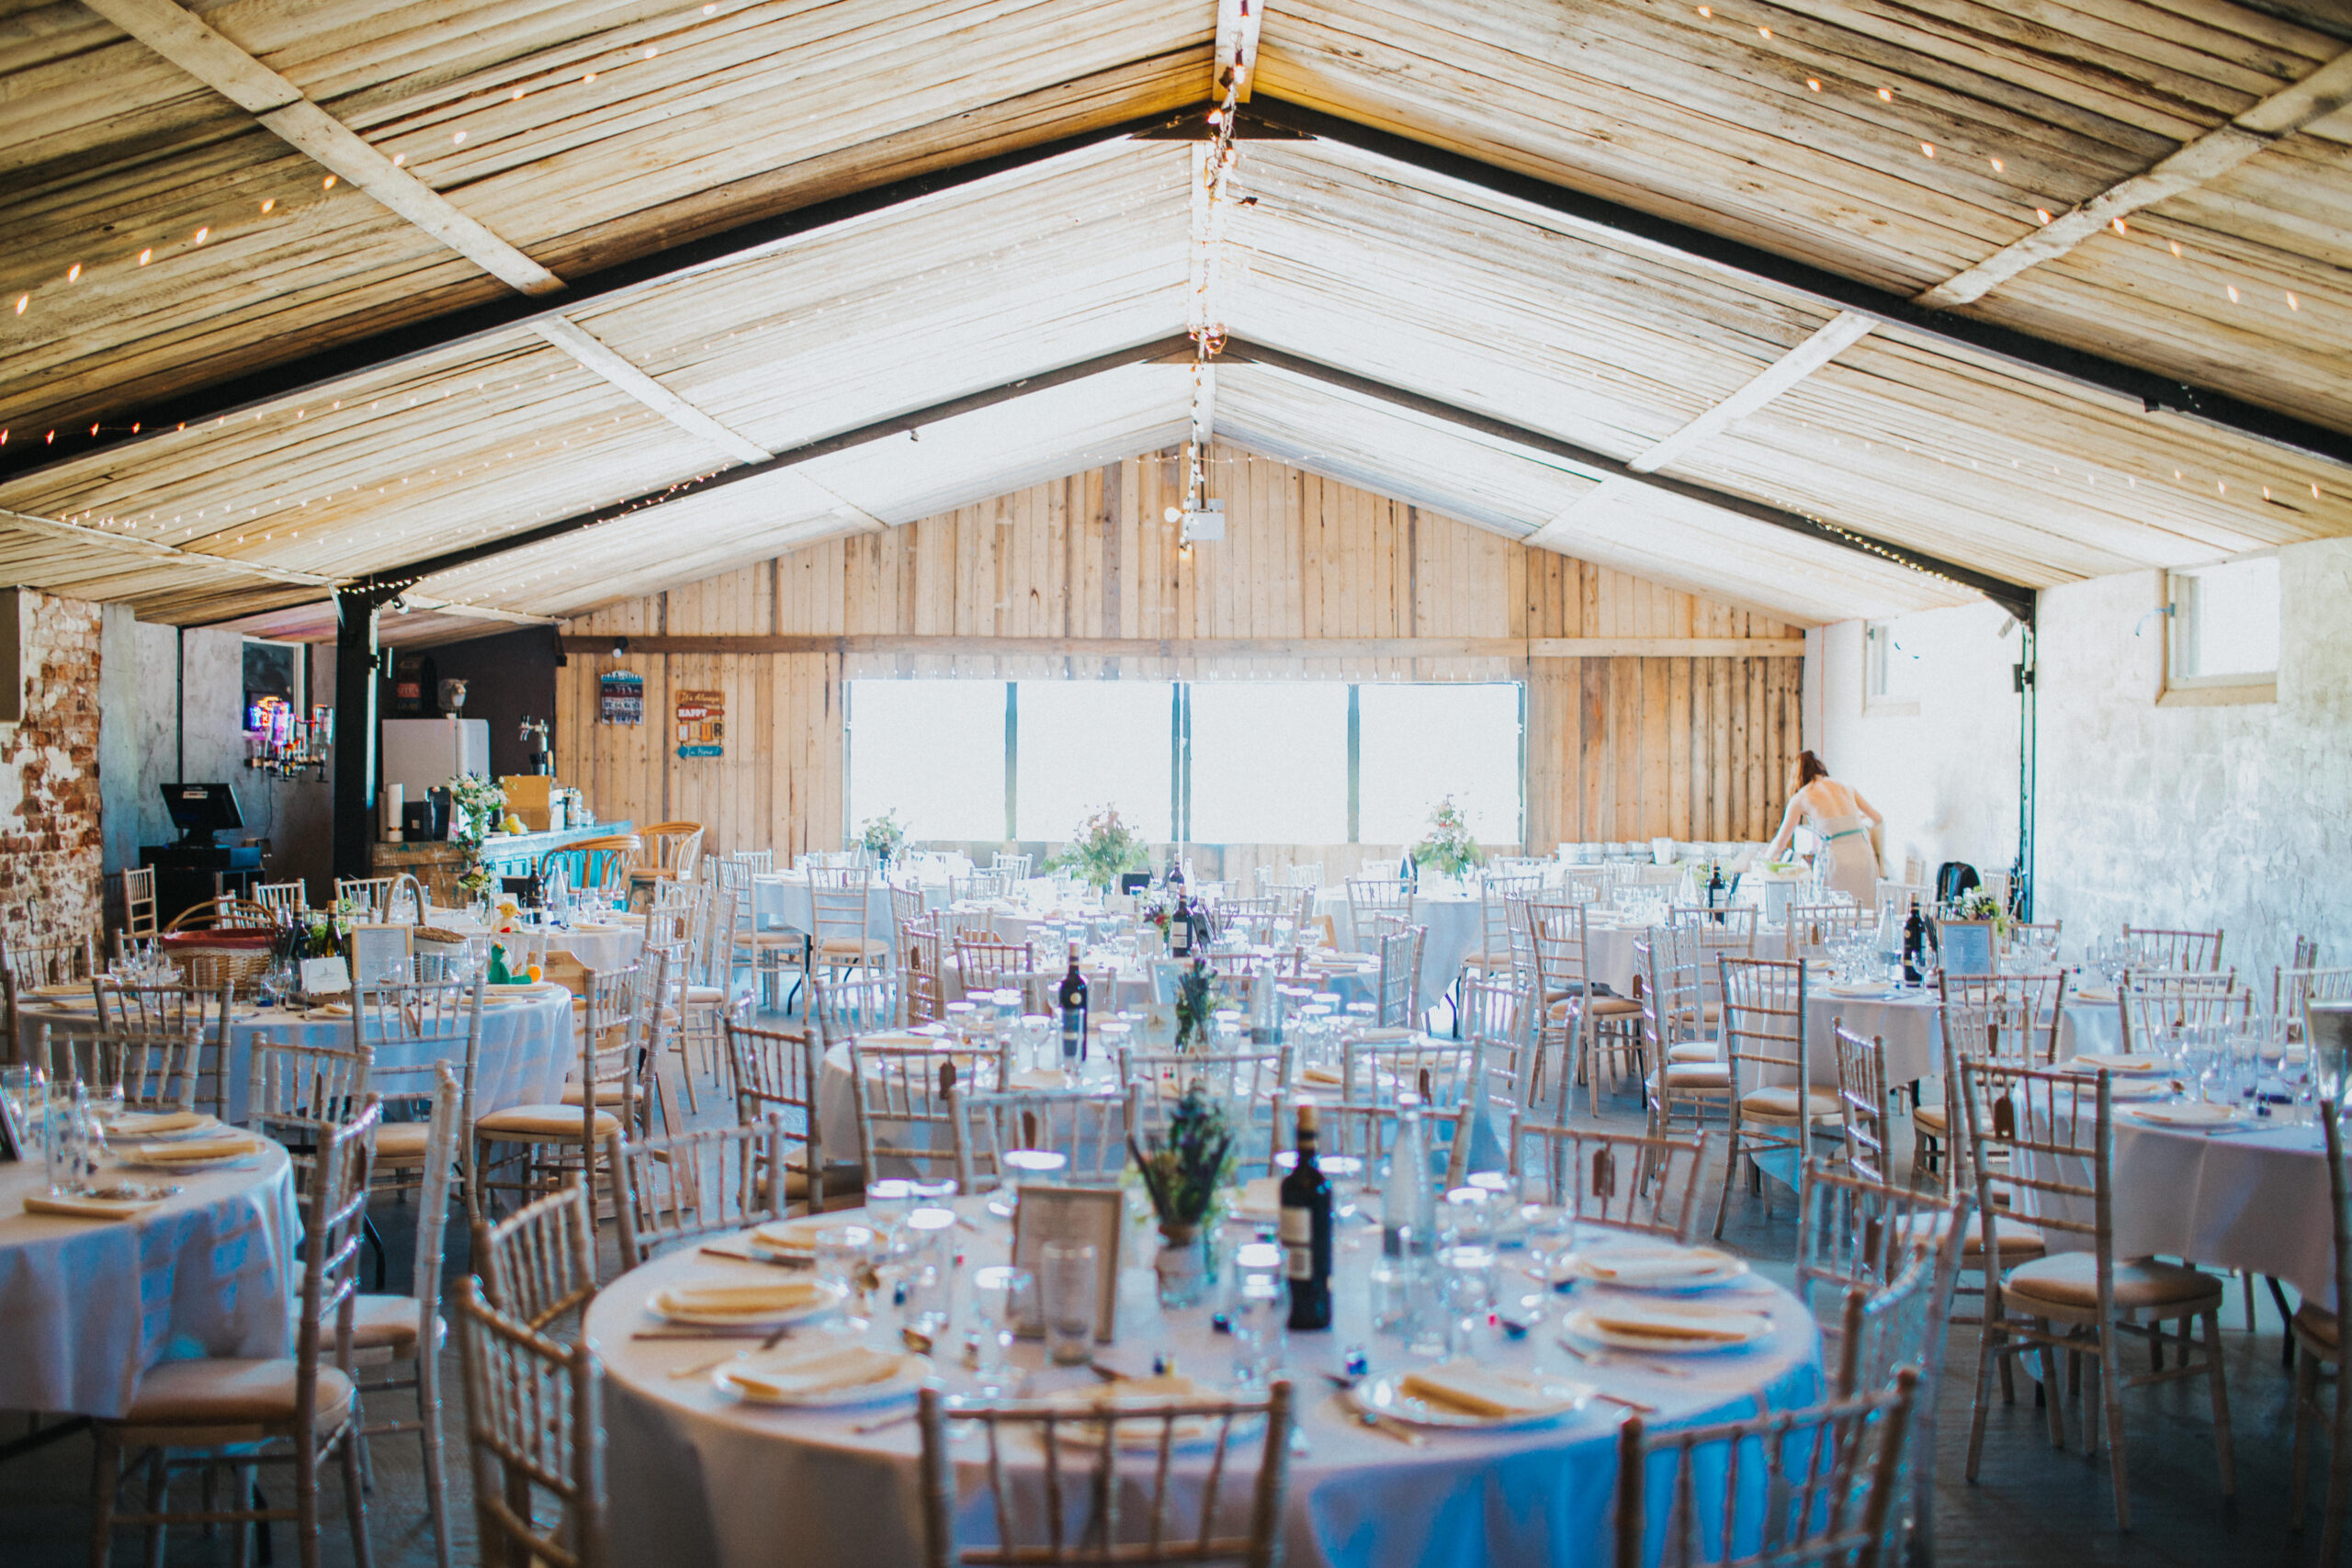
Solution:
(1142, 1436)
(2187, 1113)
(903, 1376)
(1874, 993)
(1675, 1270)
(1631, 1325)
(2120, 1062)
(786, 1301)
(790, 1238)
(2130, 1089)
(165, 1156)
(1387, 1395)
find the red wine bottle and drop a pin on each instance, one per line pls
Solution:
(1306, 1232)
(1072, 1000)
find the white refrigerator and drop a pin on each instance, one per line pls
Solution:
(426, 753)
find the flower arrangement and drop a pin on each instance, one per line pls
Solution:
(1187, 1164)
(1978, 904)
(482, 802)
(1101, 850)
(1155, 914)
(883, 835)
(1449, 848)
(1197, 993)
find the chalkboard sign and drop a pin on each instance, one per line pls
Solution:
(1965, 946)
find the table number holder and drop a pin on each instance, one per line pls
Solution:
(1094, 1216)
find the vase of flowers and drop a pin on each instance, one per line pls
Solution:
(1183, 1170)
(1449, 847)
(481, 804)
(1196, 1000)
(1101, 849)
(883, 837)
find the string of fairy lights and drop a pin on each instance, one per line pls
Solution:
(319, 513)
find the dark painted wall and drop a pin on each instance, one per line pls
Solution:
(506, 677)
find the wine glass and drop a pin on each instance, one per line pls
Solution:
(1004, 1297)
(1550, 1230)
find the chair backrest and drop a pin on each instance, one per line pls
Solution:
(776, 1073)
(1089, 1128)
(1253, 1082)
(1011, 865)
(1400, 977)
(368, 894)
(675, 847)
(695, 1184)
(1555, 939)
(1861, 1099)
(1719, 931)
(539, 1262)
(1814, 929)
(904, 1107)
(1901, 895)
(1441, 1072)
(1496, 890)
(1494, 1018)
(535, 1428)
(139, 900)
(1856, 1231)
(1370, 896)
(2058, 1131)
(2294, 988)
(2183, 950)
(442, 1137)
(2156, 1007)
(1625, 1179)
(983, 964)
(760, 863)
(1142, 1511)
(907, 903)
(980, 887)
(1673, 999)
(1765, 1038)
(922, 986)
(334, 1220)
(286, 897)
(1368, 1133)
(1816, 1487)
(297, 1093)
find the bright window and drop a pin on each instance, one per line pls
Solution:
(1269, 762)
(2225, 624)
(1890, 670)
(1087, 744)
(1419, 744)
(931, 750)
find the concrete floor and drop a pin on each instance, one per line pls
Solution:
(2030, 1506)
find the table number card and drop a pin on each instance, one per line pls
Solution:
(382, 953)
(1079, 1216)
(325, 976)
(1965, 946)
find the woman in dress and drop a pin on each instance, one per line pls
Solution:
(1846, 822)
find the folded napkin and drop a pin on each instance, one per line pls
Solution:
(1037, 1077)
(64, 989)
(331, 1009)
(1464, 1386)
(1382, 1036)
(1730, 1328)
(794, 1237)
(148, 1125)
(229, 1146)
(1168, 1385)
(750, 1302)
(1630, 1267)
(800, 1375)
(86, 1208)
(2118, 1062)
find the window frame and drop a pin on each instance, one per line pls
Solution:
(1878, 647)
(2179, 611)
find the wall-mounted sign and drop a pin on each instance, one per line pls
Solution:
(620, 697)
(702, 724)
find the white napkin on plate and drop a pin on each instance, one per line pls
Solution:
(1664, 1324)
(800, 1375)
(1645, 1266)
(1497, 1392)
(751, 1302)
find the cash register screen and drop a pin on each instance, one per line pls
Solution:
(201, 810)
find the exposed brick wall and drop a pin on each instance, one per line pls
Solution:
(51, 846)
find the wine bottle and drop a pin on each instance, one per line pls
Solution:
(1180, 927)
(1306, 1232)
(1072, 1000)
(1915, 943)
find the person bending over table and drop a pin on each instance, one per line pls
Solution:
(1847, 824)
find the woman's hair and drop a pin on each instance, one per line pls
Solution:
(1809, 768)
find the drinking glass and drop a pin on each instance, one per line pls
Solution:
(929, 1272)
(1466, 1292)
(844, 1258)
(1260, 1313)
(17, 1088)
(1551, 1233)
(1066, 1290)
(888, 1202)
(1003, 1298)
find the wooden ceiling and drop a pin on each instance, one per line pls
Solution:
(305, 296)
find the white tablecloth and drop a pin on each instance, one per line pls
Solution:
(781, 902)
(1456, 930)
(2251, 1200)
(696, 1477)
(87, 1307)
(528, 1045)
(606, 946)
(1913, 1031)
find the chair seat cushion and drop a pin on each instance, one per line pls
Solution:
(1490, 961)
(705, 996)
(227, 1392)
(2316, 1326)
(606, 1094)
(1602, 1006)
(402, 1142)
(543, 1121)
(387, 1322)
(2020, 1241)
(853, 947)
(1695, 1075)
(1779, 1101)
(1931, 1119)
(2070, 1279)
(1692, 1051)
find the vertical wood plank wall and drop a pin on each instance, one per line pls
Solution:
(1617, 748)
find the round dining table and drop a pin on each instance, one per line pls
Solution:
(605, 943)
(87, 1306)
(697, 1475)
(528, 1044)
(1456, 927)
(1908, 1021)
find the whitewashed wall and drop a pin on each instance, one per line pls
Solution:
(2237, 818)
(1946, 777)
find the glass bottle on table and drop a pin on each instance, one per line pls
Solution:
(1409, 1202)
(1180, 924)
(1072, 999)
(1915, 943)
(1306, 1231)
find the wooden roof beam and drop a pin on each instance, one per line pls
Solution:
(2194, 163)
(2014, 597)
(279, 106)
(598, 358)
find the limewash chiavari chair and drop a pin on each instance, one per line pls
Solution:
(1493, 955)
(404, 1332)
(853, 964)
(1774, 1107)
(1493, 1019)
(1254, 1082)
(282, 897)
(138, 912)
(907, 903)
(410, 1028)
(2013, 1018)
(696, 1184)
(2157, 1005)
(904, 1112)
(2191, 952)
(1368, 1133)
(2293, 990)
(776, 1073)
(769, 954)
(27, 966)
(1689, 1070)
(1818, 1487)
(1088, 1128)
(540, 1263)
(1400, 977)
(1116, 1455)
(368, 894)
(2059, 1131)
(218, 1412)
(1374, 899)
(923, 983)
(984, 965)
(1861, 1099)
(1814, 929)
(298, 1094)
(1628, 1181)
(2319, 1334)
(534, 1433)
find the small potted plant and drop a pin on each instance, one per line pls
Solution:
(1449, 847)
(1101, 849)
(882, 838)
(1185, 1168)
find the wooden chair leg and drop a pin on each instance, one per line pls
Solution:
(158, 1493)
(2299, 1461)
(1991, 1342)
(2218, 1379)
(106, 1481)
(354, 1499)
(2052, 1403)
(2110, 1379)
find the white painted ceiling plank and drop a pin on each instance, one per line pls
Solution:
(595, 355)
